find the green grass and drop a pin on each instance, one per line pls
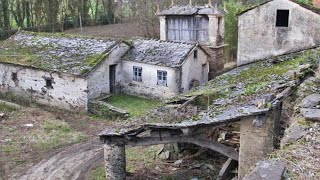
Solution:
(55, 134)
(136, 159)
(6, 108)
(98, 174)
(136, 106)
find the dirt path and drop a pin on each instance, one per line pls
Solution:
(73, 163)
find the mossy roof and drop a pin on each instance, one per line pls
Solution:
(75, 55)
(157, 52)
(233, 95)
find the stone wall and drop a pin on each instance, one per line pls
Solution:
(216, 60)
(67, 92)
(148, 87)
(98, 79)
(259, 38)
(192, 70)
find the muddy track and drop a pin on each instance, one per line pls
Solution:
(74, 163)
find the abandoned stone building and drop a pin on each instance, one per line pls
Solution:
(277, 27)
(70, 71)
(197, 24)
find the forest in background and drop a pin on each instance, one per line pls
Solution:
(59, 15)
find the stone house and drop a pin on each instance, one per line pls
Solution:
(277, 27)
(197, 24)
(69, 71)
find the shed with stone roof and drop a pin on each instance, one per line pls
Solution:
(277, 27)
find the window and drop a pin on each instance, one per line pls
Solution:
(137, 73)
(14, 76)
(49, 83)
(162, 78)
(282, 18)
(195, 54)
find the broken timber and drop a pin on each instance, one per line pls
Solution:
(260, 122)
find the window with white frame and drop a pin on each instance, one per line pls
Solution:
(137, 73)
(162, 78)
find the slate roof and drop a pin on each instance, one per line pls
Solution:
(231, 96)
(156, 52)
(309, 7)
(55, 52)
(192, 10)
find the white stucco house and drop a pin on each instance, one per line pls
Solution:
(69, 71)
(277, 27)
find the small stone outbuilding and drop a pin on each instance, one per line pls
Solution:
(277, 27)
(202, 25)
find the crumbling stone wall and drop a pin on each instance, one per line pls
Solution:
(216, 60)
(67, 92)
(259, 38)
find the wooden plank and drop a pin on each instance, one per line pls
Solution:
(206, 143)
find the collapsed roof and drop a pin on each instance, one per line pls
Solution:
(231, 96)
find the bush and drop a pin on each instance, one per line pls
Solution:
(231, 27)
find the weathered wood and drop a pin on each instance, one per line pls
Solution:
(187, 103)
(115, 161)
(228, 166)
(206, 143)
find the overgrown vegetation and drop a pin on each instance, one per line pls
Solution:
(231, 27)
(136, 106)
(136, 158)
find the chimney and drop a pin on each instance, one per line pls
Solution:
(210, 2)
(190, 2)
(316, 3)
(172, 2)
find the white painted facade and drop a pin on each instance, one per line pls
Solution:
(98, 79)
(259, 38)
(178, 78)
(67, 91)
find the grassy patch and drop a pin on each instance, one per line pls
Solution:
(136, 106)
(137, 159)
(56, 133)
(6, 108)
(98, 174)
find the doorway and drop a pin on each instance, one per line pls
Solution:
(112, 78)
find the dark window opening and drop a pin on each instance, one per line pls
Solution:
(282, 18)
(195, 54)
(49, 83)
(14, 76)
(162, 78)
(137, 73)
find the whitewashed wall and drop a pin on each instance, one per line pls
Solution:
(192, 69)
(148, 87)
(98, 79)
(68, 92)
(259, 37)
